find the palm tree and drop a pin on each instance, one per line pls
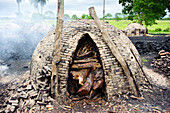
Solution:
(18, 2)
(103, 10)
(35, 4)
(42, 3)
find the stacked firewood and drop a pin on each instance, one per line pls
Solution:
(161, 63)
(86, 73)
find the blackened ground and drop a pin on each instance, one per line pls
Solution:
(151, 44)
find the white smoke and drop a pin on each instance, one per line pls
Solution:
(3, 70)
(19, 37)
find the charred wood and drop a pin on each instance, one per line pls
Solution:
(85, 60)
(85, 65)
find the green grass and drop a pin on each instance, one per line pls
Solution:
(163, 24)
(145, 60)
(122, 24)
(162, 32)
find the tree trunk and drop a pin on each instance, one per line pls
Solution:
(18, 8)
(57, 47)
(41, 9)
(103, 10)
(115, 51)
(38, 10)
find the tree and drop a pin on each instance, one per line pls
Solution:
(49, 14)
(66, 16)
(108, 15)
(57, 48)
(74, 17)
(84, 16)
(18, 2)
(89, 17)
(35, 4)
(42, 3)
(146, 11)
(118, 16)
(103, 10)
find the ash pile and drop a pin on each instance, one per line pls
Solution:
(161, 63)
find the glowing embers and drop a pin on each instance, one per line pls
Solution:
(86, 78)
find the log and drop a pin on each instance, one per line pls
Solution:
(114, 50)
(98, 74)
(88, 54)
(85, 89)
(86, 48)
(85, 61)
(83, 49)
(85, 65)
(163, 54)
(80, 75)
(143, 71)
(98, 84)
(57, 47)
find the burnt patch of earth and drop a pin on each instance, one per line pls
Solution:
(151, 102)
(151, 44)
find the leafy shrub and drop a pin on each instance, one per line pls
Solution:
(158, 29)
(167, 29)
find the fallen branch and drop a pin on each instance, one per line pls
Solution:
(142, 70)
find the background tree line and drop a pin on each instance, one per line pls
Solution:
(145, 11)
(35, 3)
(140, 11)
(108, 16)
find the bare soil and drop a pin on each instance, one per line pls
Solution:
(151, 102)
(158, 101)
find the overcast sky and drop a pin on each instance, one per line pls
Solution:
(78, 7)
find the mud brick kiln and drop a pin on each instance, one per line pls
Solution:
(80, 34)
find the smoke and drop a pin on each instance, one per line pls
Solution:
(19, 38)
(3, 69)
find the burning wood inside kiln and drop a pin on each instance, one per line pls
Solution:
(86, 78)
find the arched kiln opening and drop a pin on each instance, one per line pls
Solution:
(86, 76)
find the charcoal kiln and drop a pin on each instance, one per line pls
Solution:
(87, 67)
(135, 29)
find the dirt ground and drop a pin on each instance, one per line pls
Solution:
(151, 102)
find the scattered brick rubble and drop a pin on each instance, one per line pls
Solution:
(161, 63)
(28, 96)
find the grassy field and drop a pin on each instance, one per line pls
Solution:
(122, 24)
(161, 24)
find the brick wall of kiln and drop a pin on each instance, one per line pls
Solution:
(115, 79)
